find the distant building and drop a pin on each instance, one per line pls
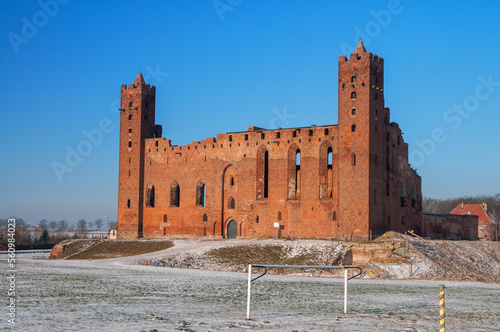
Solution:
(113, 232)
(449, 226)
(487, 223)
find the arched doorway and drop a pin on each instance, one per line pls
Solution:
(232, 229)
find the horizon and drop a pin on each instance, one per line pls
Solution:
(246, 64)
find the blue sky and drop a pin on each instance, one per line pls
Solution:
(223, 65)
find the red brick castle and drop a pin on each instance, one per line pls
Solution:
(350, 180)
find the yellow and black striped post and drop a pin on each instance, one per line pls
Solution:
(441, 308)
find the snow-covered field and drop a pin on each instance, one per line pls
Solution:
(114, 295)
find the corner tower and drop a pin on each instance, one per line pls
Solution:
(137, 119)
(361, 116)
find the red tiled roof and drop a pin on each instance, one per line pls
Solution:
(474, 209)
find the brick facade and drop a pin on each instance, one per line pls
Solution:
(348, 180)
(450, 226)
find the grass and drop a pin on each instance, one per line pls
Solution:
(102, 249)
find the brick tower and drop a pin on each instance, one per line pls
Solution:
(137, 118)
(361, 113)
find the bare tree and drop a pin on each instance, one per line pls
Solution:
(53, 225)
(43, 223)
(91, 225)
(81, 225)
(98, 223)
(63, 225)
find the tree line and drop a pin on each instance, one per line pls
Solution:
(47, 232)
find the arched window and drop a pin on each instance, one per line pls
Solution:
(325, 170)
(327, 131)
(353, 95)
(175, 194)
(294, 172)
(128, 203)
(231, 203)
(201, 194)
(129, 144)
(257, 219)
(205, 217)
(353, 128)
(279, 215)
(353, 159)
(165, 218)
(262, 173)
(231, 182)
(403, 193)
(150, 195)
(414, 196)
(353, 111)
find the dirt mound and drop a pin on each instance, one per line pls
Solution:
(102, 249)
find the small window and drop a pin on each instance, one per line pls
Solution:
(128, 203)
(130, 117)
(376, 112)
(402, 220)
(353, 111)
(231, 183)
(398, 140)
(294, 133)
(334, 215)
(353, 95)
(246, 137)
(205, 217)
(353, 159)
(130, 130)
(353, 128)
(145, 116)
(327, 131)
(129, 144)
(156, 143)
(481, 229)
(230, 138)
(353, 79)
(257, 219)
(165, 218)
(310, 132)
(231, 204)
(130, 104)
(262, 135)
(278, 135)
(279, 215)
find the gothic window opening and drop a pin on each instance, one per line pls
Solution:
(403, 193)
(257, 219)
(279, 215)
(353, 95)
(327, 131)
(201, 194)
(326, 171)
(150, 195)
(205, 217)
(165, 218)
(353, 111)
(353, 159)
(353, 128)
(262, 173)
(297, 174)
(230, 138)
(175, 194)
(231, 182)
(294, 134)
(129, 144)
(310, 132)
(278, 135)
(128, 203)
(262, 136)
(246, 137)
(130, 117)
(231, 203)
(414, 196)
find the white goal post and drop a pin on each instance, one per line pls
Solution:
(250, 280)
